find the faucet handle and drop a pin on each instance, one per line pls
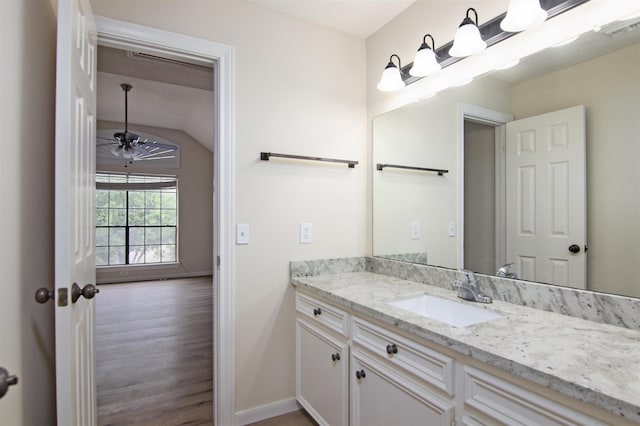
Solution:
(470, 276)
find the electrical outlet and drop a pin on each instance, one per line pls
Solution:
(242, 233)
(415, 230)
(306, 233)
(451, 231)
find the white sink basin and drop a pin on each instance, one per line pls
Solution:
(446, 311)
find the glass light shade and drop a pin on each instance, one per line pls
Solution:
(467, 41)
(115, 150)
(425, 63)
(522, 15)
(391, 80)
(128, 153)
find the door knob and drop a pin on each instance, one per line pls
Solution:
(574, 248)
(88, 292)
(43, 295)
(6, 380)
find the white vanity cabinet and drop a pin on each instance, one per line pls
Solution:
(395, 381)
(352, 371)
(322, 361)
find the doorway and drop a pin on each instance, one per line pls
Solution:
(125, 35)
(154, 205)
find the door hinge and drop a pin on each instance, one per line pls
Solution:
(218, 261)
(63, 298)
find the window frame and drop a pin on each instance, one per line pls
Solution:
(128, 183)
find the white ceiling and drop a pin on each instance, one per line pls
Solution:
(360, 18)
(157, 104)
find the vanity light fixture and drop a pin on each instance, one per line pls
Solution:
(468, 40)
(522, 15)
(391, 80)
(425, 62)
(565, 42)
(508, 65)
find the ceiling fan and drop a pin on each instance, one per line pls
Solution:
(130, 146)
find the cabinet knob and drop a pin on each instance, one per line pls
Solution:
(317, 312)
(43, 295)
(392, 349)
(360, 374)
(335, 357)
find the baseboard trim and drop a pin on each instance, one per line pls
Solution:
(268, 411)
(154, 277)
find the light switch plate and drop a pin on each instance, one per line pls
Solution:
(242, 233)
(306, 233)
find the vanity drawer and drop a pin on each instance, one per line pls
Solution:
(507, 403)
(321, 313)
(428, 365)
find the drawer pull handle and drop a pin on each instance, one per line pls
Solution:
(360, 374)
(317, 312)
(335, 357)
(392, 349)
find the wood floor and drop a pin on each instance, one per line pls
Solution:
(154, 353)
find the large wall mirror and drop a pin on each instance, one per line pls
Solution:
(585, 204)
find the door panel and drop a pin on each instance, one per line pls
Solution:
(74, 212)
(546, 197)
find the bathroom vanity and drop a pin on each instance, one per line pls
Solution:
(364, 361)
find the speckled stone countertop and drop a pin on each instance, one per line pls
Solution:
(592, 362)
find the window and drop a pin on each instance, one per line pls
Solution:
(136, 219)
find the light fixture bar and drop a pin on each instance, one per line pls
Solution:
(492, 33)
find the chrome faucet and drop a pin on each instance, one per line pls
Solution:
(469, 289)
(504, 272)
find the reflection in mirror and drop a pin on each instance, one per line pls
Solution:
(460, 219)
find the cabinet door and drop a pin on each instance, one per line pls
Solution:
(322, 374)
(381, 395)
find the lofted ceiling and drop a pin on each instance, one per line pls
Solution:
(165, 93)
(360, 18)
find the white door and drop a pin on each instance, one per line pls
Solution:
(74, 212)
(546, 197)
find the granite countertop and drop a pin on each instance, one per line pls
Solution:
(592, 362)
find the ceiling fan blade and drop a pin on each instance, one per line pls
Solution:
(154, 158)
(156, 154)
(152, 145)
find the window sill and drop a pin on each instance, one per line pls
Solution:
(138, 267)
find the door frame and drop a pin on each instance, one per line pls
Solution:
(121, 34)
(489, 117)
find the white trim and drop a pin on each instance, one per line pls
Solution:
(155, 277)
(480, 115)
(268, 411)
(125, 35)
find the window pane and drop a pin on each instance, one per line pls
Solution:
(168, 235)
(136, 254)
(152, 200)
(152, 236)
(102, 198)
(136, 236)
(116, 256)
(136, 199)
(169, 217)
(136, 217)
(152, 254)
(168, 200)
(169, 253)
(102, 237)
(116, 237)
(117, 217)
(102, 256)
(152, 217)
(102, 217)
(117, 199)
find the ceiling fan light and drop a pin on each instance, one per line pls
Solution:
(522, 15)
(391, 80)
(115, 150)
(425, 63)
(468, 40)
